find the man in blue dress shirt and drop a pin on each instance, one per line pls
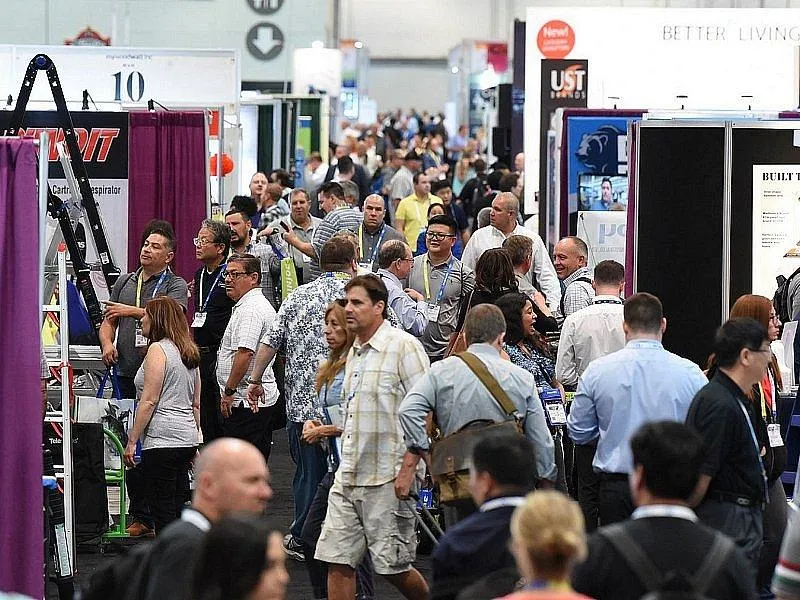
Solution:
(620, 392)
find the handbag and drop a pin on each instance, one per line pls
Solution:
(451, 455)
(458, 339)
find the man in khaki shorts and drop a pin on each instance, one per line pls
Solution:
(368, 507)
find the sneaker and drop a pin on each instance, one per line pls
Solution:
(139, 529)
(293, 548)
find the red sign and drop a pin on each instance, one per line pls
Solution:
(556, 39)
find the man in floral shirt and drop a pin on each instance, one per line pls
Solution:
(298, 331)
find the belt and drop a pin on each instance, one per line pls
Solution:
(730, 497)
(208, 349)
(612, 476)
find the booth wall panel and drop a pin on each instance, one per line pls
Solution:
(679, 237)
(752, 147)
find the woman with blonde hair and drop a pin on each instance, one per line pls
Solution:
(324, 431)
(168, 414)
(547, 537)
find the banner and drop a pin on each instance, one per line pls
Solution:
(604, 234)
(776, 225)
(103, 140)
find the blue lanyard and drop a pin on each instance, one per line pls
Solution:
(213, 285)
(758, 448)
(377, 246)
(275, 249)
(426, 281)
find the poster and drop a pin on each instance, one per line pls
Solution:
(776, 225)
(103, 140)
(604, 234)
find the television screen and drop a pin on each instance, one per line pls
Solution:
(602, 192)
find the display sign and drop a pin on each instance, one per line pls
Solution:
(128, 75)
(103, 140)
(604, 234)
(714, 57)
(776, 225)
(265, 41)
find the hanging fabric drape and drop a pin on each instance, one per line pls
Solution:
(167, 180)
(21, 525)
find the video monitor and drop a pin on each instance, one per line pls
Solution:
(602, 192)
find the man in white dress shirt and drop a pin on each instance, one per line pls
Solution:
(503, 223)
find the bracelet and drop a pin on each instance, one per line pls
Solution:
(252, 381)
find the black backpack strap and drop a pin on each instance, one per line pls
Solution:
(717, 556)
(634, 555)
(561, 302)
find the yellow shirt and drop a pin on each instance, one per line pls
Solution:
(414, 213)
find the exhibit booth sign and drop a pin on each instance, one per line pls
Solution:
(649, 57)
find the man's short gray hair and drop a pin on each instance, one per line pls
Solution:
(483, 324)
(220, 231)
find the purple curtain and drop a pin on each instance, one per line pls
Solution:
(167, 180)
(21, 526)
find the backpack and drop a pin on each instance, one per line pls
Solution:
(781, 298)
(561, 302)
(671, 585)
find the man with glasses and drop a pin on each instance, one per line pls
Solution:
(444, 283)
(409, 305)
(251, 318)
(374, 232)
(503, 223)
(732, 487)
(212, 313)
(622, 391)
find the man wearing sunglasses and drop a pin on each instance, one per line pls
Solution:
(444, 283)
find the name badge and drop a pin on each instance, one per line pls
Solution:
(774, 433)
(554, 407)
(141, 341)
(432, 312)
(199, 319)
(365, 266)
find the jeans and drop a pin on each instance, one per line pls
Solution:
(166, 474)
(138, 508)
(318, 570)
(210, 413)
(310, 468)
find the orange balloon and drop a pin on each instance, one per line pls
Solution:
(227, 164)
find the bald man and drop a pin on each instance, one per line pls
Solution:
(571, 258)
(231, 477)
(503, 224)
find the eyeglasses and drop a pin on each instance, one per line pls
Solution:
(774, 318)
(235, 274)
(760, 350)
(432, 235)
(200, 242)
(411, 260)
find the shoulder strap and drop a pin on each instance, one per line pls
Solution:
(487, 379)
(716, 557)
(634, 555)
(561, 302)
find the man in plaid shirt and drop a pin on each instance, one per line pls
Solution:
(368, 510)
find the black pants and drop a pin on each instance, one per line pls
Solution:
(775, 520)
(615, 504)
(166, 474)
(210, 413)
(588, 484)
(318, 570)
(255, 428)
(134, 478)
(743, 524)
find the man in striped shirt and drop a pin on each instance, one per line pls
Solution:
(368, 508)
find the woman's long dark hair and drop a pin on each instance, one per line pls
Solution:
(512, 306)
(495, 273)
(233, 556)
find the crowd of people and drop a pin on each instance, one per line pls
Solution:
(395, 338)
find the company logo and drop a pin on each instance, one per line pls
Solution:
(599, 150)
(95, 145)
(556, 39)
(568, 83)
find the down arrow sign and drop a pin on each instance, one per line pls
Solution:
(265, 41)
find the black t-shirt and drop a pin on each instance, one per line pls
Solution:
(731, 457)
(218, 307)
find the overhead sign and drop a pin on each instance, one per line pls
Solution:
(265, 41)
(128, 75)
(265, 7)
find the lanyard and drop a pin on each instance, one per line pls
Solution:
(757, 446)
(607, 302)
(542, 584)
(501, 502)
(337, 275)
(419, 215)
(275, 249)
(427, 283)
(213, 285)
(764, 406)
(377, 245)
(155, 290)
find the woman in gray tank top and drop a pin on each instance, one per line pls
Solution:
(167, 416)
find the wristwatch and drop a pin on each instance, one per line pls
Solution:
(230, 391)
